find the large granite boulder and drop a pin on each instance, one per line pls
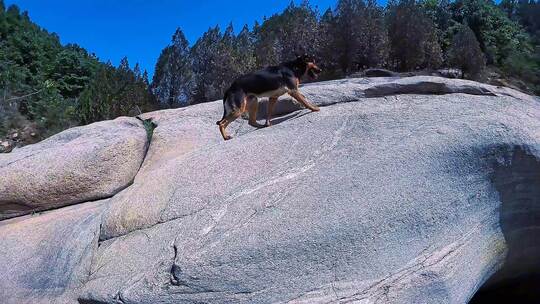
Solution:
(382, 199)
(419, 195)
(44, 258)
(80, 164)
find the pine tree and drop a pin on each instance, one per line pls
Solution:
(465, 53)
(3, 21)
(528, 15)
(244, 46)
(205, 54)
(161, 81)
(71, 70)
(145, 78)
(373, 49)
(94, 102)
(433, 55)
(412, 36)
(326, 52)
(173, 77)
(297, 31)
(268, 47)
(349, 27)
(137, 72)
(229, 65)
(440, 14)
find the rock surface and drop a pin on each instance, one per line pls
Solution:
(80, 164)
(400, 198)
(379, 73)
(44, 258)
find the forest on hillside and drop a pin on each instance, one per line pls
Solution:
(51, 87)
(46, 87)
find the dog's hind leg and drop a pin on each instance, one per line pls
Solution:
(232, 116)
(270, 110)
(226, 121)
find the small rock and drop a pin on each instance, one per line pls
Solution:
(379, 73)
(6, 146)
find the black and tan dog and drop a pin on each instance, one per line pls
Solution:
(271, 82)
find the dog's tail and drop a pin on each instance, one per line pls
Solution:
(225, 97)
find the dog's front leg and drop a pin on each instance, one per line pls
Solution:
(296, 95)
(270, 110)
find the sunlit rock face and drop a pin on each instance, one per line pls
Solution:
(81, 164)
(413, 190)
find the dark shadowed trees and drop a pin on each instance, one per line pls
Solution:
(206, 56)
(412, 36)
(297, 31)
(349, 24)
(465, 53)
(244, 46)
(326, 52)
(173, 80)
(267, 43)
(373, 51)
(282, 36)
(114, 92)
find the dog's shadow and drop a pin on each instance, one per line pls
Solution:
(283, 118)
(284, 110)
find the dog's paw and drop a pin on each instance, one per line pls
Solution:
(315, 109)
(267, 124)
(227, 137)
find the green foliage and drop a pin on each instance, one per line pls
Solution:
(526, 67)
(413, 37)
(114, 92)
(72, 70)
(206, 60)
(51, 111)
(149, 126)
(525, 64)
(173, 78)
(358, 37)
(51, 86)
(326, 51)
(528, 14)
(498, 36)
(465, 53)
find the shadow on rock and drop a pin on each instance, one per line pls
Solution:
(517, 179)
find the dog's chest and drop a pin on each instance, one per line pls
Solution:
(272, 93)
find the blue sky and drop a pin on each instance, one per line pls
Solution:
(140, 29)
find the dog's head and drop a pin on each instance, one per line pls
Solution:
(306, 64)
